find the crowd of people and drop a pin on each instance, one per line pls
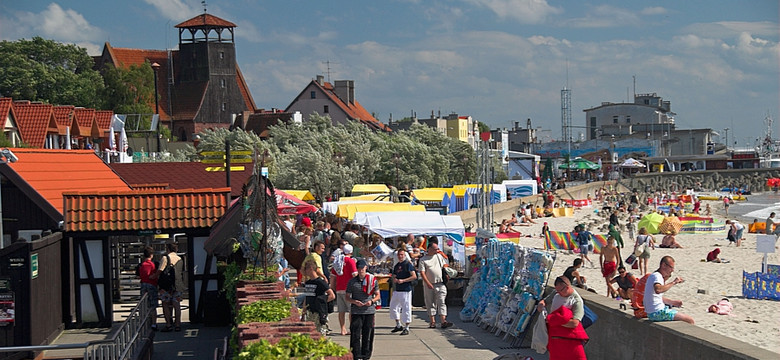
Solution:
(335, 277)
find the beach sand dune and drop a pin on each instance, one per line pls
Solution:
(756, 322)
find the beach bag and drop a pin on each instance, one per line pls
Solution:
(539, 337)
(589, 317)
(631, 259)
(167, 279)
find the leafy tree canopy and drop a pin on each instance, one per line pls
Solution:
(45, 70)
(129, 90)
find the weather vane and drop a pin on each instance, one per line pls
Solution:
(203, 2)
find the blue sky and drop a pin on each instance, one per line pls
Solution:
(501, 61)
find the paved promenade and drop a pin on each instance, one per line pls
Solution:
(462, 341)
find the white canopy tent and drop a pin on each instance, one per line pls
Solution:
(402, 223)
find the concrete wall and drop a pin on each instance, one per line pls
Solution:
(504, 210)
(618, 335)
(710, 180)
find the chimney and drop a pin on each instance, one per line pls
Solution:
(517, 125)
(345, 90)
(320, 80)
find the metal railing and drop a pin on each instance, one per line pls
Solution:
(123, 344)
(128, 340)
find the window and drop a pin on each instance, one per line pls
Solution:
(222, 83)
(224, 106)
(628, 119)
(221, 54)
(313, 94)
(326, 109)
(614, 119)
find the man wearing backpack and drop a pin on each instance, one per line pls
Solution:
(171, 284)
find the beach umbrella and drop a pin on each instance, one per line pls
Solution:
(112, 140)
(651, 222)
(670, 223)
(632, 163)
(287, 204)
(579, 163)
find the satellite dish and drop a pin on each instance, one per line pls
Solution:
(129, 151)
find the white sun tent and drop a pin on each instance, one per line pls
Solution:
(402, 223)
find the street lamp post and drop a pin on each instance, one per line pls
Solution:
(155, 67)
(396, 160)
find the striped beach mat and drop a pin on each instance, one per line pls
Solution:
(559, 240)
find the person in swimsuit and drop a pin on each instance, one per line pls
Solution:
(669, 241)
(608, 259)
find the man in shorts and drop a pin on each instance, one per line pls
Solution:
(339, 283)
(608, 261)
(658, 307)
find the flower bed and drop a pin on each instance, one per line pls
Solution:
(269, 327)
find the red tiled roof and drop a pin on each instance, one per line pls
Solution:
(50, 172)
(242, 85)
(34, 121)
(64, 117)
(85, 118)
(125, 57)
(103, 119)
(148, 210)
(5, 107)
(205, 20)
(354, 110)
(181, 175)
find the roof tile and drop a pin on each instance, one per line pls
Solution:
(205, 20)
(179, 175)
(76, 170)
(34, 121)
(144, 210)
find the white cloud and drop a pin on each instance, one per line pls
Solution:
(524, 11)
(54, 22)
(725, 29)
(177, 9)
(605, 16)
(657, 10)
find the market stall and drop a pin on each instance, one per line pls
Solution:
(402, 223)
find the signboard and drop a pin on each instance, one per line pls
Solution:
(34, 265)
(765, 244)
(7, 308)
(264, 171)
(5, 283)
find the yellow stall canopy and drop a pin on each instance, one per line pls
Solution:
(429, 194)
(362, 189)
(368, 197)
(348, 210)
(304, 195)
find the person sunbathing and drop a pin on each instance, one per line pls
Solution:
(506, 228)
(669, 241)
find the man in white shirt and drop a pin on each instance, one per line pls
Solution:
(658, 307)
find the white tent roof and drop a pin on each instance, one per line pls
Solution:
(402, 223)
(631, 162)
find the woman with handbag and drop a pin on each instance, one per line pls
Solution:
(644, 242)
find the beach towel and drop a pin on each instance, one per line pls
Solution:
(559, 240)
(638, 297)
(722, 307)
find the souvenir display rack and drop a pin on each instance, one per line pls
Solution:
(502, 294)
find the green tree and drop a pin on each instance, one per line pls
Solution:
(48, 71)
(129, 90)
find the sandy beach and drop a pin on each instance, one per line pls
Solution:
(753, 321)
